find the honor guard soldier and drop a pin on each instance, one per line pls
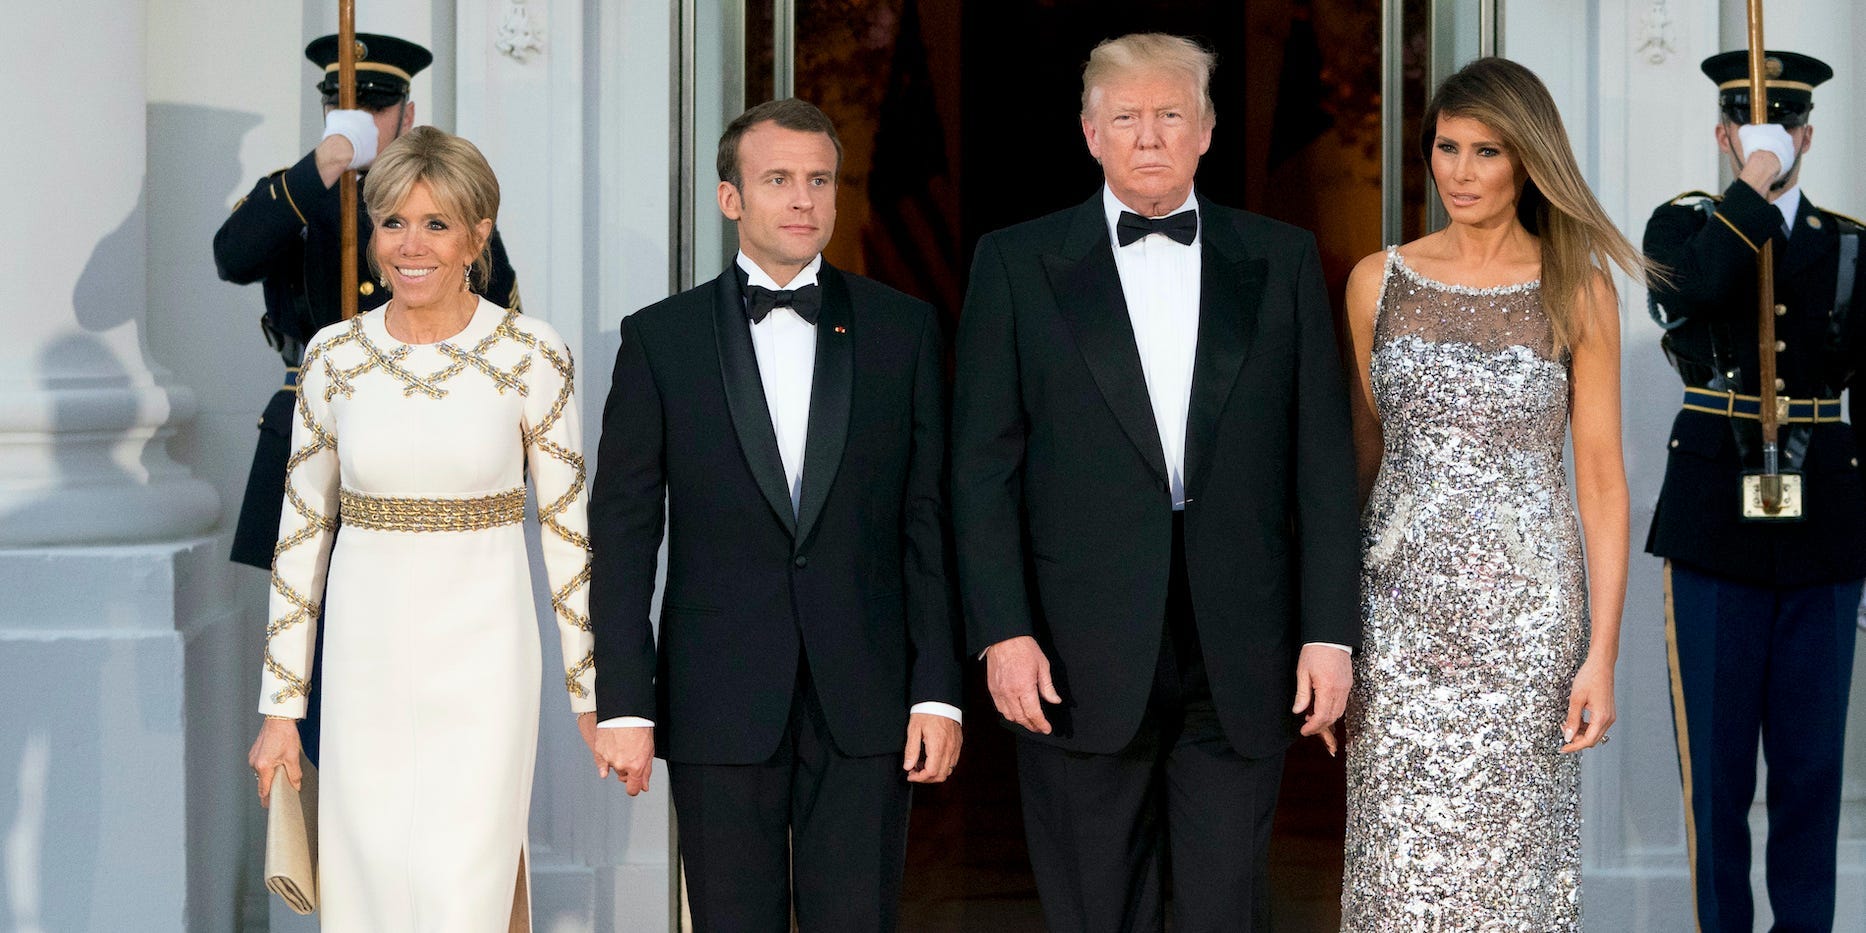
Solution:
(286, 234)
(1761, 588)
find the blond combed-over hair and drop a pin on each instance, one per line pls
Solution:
(456, 173)
(1141, 52)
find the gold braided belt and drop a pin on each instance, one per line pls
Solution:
(394, 513)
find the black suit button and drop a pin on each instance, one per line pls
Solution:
(801, 562)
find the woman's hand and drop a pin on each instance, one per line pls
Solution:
(276, 747)
(1593, 693)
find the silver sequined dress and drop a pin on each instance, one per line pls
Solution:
(1462, 813)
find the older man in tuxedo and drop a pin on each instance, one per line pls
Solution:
(791, 420)
(1154, 503)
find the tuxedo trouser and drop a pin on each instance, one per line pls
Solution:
(1769, 665)
(1100, 827)
(810, 819)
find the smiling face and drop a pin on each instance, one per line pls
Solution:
(1479, 179)
(423, 252)
(787, 209)
(1147, 131)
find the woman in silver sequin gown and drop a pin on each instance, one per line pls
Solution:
(1481, 673)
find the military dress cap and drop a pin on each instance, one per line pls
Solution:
(384, 64)
(1789, 76)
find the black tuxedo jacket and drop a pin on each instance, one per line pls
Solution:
(1060, 500)
(857, 581)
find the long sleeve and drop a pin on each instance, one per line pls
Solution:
(1708, 261)
(988, 459)
(269, 222)
(1327, 521)
(302, 556)
(627, 516)
(937, 675)
(554, 458)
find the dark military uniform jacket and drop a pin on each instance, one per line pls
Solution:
(1709, 247)
(286, 235)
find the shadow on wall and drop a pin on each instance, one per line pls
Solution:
(205, 332)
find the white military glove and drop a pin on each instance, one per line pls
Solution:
(1768, 137)
(359, 127)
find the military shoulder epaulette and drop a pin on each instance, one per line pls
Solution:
(1696, 195)
(1856, 222)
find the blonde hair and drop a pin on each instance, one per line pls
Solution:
(1151, 52)
(457, 174)
(1578, 239)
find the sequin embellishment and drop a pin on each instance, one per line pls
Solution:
(1462, 813)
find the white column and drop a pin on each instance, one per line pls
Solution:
(99, 527)
(84, 417)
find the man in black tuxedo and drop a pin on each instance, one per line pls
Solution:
(1154, 504)
(791, 419)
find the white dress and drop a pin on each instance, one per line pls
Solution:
(430, 684)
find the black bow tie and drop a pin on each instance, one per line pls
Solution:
(1181, 227)
(806, 301)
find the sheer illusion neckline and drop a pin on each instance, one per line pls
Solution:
(1399, 262)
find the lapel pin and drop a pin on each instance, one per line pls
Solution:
(1814, 221)
(841, 329)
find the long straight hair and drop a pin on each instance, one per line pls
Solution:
(1577, 237)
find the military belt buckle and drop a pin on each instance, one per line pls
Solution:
(1789, 509)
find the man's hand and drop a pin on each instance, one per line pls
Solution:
(1323, 675)
(1019, 677)
(350, 139)
(1768, 154)
(940, 737)
(629, 752)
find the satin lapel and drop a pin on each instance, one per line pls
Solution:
(1088, 293)
(830, 389)
(1808, 244)
(745, 397)
(1230, 291)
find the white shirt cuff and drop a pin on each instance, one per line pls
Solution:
(626, 722)
(939, 709)
(1330, 644)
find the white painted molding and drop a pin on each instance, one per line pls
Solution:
(520, 36)
(1656, 44)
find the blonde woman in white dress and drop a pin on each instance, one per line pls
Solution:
(417, 425)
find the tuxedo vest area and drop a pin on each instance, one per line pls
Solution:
(855, 579)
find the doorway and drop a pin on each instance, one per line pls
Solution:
(959, 118)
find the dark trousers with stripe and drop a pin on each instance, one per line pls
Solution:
(1769, 666)
(1102, 828)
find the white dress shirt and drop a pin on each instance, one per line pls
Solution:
(1160, 278)
(1790, 205)
(785, 345)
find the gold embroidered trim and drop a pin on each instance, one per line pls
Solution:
(576, 673)
(549, 513)
(1739, 234)
(394, 513)
(430, 385)
(302, 608)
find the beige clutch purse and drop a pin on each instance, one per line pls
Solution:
(291, 841)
